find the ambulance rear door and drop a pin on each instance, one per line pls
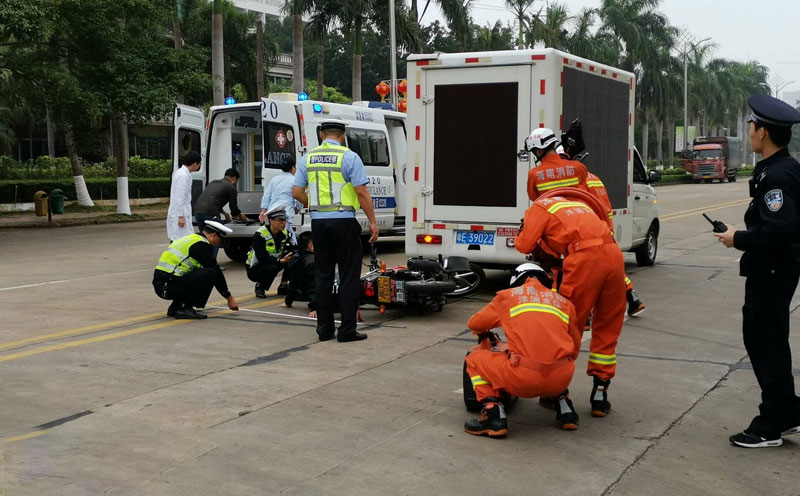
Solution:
(476, 122)
(189, 136)
(282, 134)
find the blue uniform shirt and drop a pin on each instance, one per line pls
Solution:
(279, 192)
(353, 172)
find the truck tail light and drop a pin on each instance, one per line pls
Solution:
(369, 289)
(429, 239)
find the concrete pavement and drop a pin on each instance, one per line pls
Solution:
(103, 395)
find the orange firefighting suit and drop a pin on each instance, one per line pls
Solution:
(543, 340)
(593, 270)
(555, 172)
(598, 189)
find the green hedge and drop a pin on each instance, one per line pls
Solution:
(46, 167)
(105, 188)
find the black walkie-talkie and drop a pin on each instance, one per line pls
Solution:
(719, 226)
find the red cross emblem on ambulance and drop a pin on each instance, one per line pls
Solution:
(280, 138)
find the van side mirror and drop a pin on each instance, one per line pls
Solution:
(654, 176)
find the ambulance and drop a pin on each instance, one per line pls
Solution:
(255, 137)
(468, 117)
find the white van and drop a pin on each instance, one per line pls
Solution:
(468, 117)
(254, 137)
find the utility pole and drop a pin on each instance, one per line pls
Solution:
(687, 41)
(393, 54)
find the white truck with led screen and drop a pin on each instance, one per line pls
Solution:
(468, 117)
(254, 138)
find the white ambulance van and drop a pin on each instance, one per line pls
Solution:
(468, 117)
(254, 137)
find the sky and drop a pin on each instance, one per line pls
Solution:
(767, 31)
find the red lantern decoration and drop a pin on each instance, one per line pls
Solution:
(402, 105)
(402, 87)
(383, 90)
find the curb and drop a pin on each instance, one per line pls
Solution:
(110, 218)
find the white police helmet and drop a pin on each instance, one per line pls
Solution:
(540, 138)
(526, 270)
(560, 150)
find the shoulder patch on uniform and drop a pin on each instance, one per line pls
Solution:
(774, 199)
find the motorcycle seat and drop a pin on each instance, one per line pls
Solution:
(424, 265)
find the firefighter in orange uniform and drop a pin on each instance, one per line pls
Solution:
(552, 171)
(598, 189)
(593, 278)
(543, 340)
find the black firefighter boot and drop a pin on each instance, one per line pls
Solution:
(565, 412)
(492, 421)
(599, 398)
(635, 305)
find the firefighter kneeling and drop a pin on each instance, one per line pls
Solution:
(543, 340)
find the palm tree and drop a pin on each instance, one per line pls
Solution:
(550, 28)
(297, 8)
(520, 9)
(322, 20)
(217, 57)
(456, 14)
(489, 37)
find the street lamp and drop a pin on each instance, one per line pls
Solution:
(687, 40)
(393, 49)
(781, 87)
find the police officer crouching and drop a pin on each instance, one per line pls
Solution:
(187, 271)
(771, 264)
(271, 250)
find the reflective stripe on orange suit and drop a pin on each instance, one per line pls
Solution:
(539, 325)
(555, 172)
(598, 189)
(594, 274)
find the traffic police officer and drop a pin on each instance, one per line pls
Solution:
(188, 270)
(337, 188)
(771, 264)
(271, 250)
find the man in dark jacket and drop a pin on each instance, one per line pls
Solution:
(216, 195)
(301, 276)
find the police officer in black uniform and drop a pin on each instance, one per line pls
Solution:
(771, 264)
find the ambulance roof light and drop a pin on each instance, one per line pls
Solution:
(230, 100)
(317, 108)
(302, 96)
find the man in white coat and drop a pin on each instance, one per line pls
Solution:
(179, 215)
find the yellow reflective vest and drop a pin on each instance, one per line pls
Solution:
(327, 189)
(176, 260)
(274, 251)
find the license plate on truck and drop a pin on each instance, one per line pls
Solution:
(475, 238)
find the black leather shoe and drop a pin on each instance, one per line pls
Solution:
(326, 337)
(260, 293)
(351, 336)
(189, 313)
(172, 309)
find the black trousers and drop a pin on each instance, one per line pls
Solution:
(264, 274)
(766, 337)
(193, 289)
(337, 242)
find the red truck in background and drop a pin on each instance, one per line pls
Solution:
(713, 157)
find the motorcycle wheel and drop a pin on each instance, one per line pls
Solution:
(467, 282)
(430, 287)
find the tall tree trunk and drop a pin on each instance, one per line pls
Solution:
(177, 41)
(358, 49)
(51, 134)
(645, 133)
(121, 154)
(320, 66)
(297, 53)
(659, 141)
(77, 172)
(671, 139)
(519, 42)
(217, 56)
(260, 57)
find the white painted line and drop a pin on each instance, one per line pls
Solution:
(459, 391)
(70, 280)
(279, 314)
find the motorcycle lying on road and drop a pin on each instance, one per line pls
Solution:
(422, 284)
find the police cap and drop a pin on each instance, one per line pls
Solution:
(772, 111)
(277, 212)
(214, 226)
(329, 124)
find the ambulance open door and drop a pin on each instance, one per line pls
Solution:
(189, 136)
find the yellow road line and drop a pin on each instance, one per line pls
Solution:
(695, 211)
(86, 329)
(25, 436)
(115, 335)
